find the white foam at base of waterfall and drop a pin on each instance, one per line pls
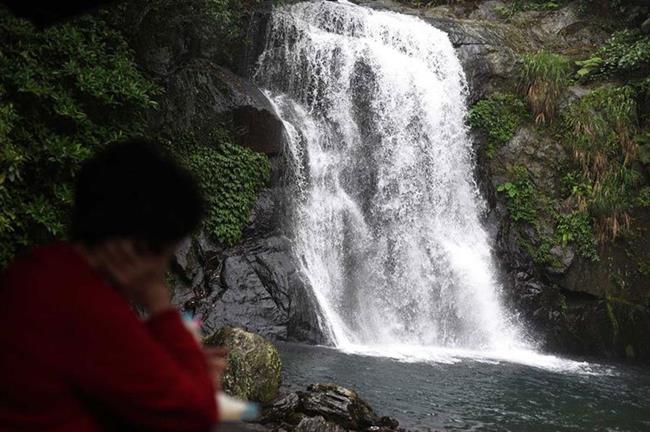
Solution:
(442, 355)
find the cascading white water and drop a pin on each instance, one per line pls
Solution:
(386, 212)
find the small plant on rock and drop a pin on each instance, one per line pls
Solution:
(521, 196)
(543, 77)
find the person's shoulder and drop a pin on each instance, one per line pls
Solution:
(46, 263)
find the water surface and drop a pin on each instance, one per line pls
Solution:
(482, 394)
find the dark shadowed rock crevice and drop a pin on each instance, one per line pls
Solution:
(183, 49)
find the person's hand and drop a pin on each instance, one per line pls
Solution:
(217, 358)
(140, 277)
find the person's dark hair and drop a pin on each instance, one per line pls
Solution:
(133, 189)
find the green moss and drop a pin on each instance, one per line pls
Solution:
(499, 116)
(230, 177)
(64, 92)
(254, 365)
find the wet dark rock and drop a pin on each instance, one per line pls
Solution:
(317, 424)
(283, 409)
(564, 256)
(256, 286)
(266, 214)
(339, 405)
(325, 407)
(645, 26)
(200, 95)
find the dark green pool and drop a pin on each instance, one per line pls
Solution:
(482, 395)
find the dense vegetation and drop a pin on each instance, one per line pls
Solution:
(68, 90)
(65, 92)
(605, 133)
(230, 177)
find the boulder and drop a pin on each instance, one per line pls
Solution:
(317, 424)
(325, 407)
(339, 405)
(254, 364)
(563, 257)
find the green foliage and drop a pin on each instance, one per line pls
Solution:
(64, 92)
(521, 196)
(230, 177)
(229, 16)
(626, 53)
(588, 67)
(643, 198)
(600, 129)
(526, 203)
(509, 9)
(575, 228)
(542, 78)
(499, 116)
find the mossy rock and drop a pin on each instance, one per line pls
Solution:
(254, 364)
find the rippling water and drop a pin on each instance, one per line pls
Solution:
(461, 392)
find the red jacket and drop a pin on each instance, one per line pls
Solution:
(75, 357)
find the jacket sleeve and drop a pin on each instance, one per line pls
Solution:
(152, 374)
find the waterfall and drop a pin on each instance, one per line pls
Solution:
(385, 211)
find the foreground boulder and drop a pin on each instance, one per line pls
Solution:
(254, 365)
(324, 407)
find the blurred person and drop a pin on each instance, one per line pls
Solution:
(74, 354)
